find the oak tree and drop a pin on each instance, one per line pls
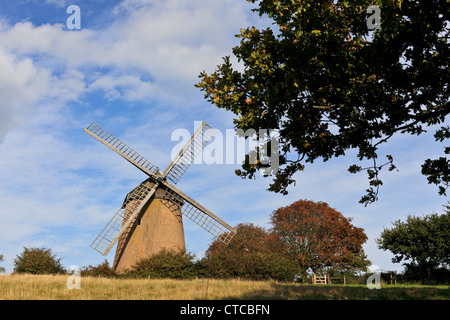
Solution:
(330, 85)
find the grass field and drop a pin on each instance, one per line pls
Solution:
(28, 287)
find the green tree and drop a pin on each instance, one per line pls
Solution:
(329, 84)
(420, 242)
(38, 261)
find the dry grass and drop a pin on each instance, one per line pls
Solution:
(27, 287)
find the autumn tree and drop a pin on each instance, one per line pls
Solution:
(330, 85)
(319, 237)
(253, 253)
(421, 243)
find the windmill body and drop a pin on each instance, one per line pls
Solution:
(156, 228)
(151, 217)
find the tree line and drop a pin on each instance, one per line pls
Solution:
(305, 237)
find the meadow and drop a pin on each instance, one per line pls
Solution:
(41, 287)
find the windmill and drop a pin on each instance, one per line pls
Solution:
(150, 218)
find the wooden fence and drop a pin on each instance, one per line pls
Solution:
(326, 279)
(320, 279)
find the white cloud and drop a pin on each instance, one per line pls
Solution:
(20, 86)
(128, 87)
(168, 39)
(152, 50)
(179, 38)
(25, 85)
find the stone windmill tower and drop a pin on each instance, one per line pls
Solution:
(151, 217)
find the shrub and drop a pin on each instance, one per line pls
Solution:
(38, 261)
(252, 266)
(165, 264)
(101, 270)
(415, 274)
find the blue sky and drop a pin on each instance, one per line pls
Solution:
(132, 69)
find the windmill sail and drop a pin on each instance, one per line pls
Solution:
(188, 153)
(173, 198)
(198, 214)
(121, 148)
(123, 217)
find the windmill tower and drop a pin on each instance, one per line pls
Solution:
(151, 216)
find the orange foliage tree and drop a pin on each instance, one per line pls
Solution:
(319, 237)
